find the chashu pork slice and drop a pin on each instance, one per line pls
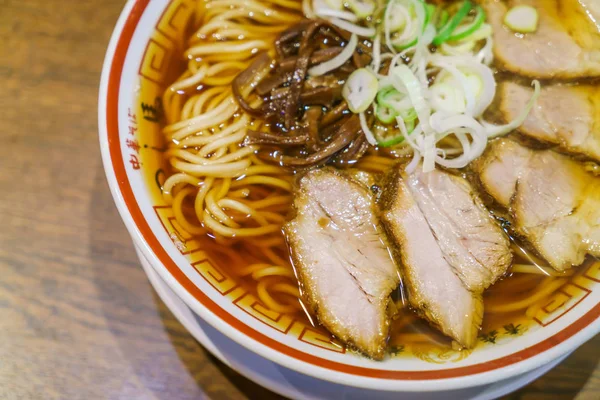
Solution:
(474, 245)
(434, 290)
(567, 116)
(565, 45)
(552, 201)
(342, 261)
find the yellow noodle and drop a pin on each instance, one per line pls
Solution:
(218, 98)
(205, 119)
(534, 308)
(273, 257)
(242, 208)
(539, 270)
(193, 80)
(249, 269)
(201, 101)
(224, 142)
(241, 193)
(176, 179)
(224, 186)
(271, 201)
(218, 212)
(180, 217)
(269, 301)
(286, 288)
(250, 47)
(257, 31)
(292, 5)
(187, 155)
(199, 202)
(272, 216)
(265, 169)
(221, 229)
(212, 118)
(548, 286)
(234, 256)
(203, 139)
(273, 271)
(267, 242)
(187, 110)
(263, 180)
(232, 169)
(377, 159)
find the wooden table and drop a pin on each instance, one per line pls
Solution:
(78, 318)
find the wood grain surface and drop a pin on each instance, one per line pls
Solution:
(78, 318)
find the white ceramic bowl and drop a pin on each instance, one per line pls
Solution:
(295, 385)
(141, 47)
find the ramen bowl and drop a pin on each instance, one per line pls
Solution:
(136, 71)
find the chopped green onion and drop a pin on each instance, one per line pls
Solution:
(401, 45)
(335, 4)
(461, 48)
(397, 17)
(453, 23)
(360, 90)
(484, 31)
(429, 11)
(522, 19)
(391, 142)
(447, 97)
(384, 114)
(403, 76)
(441, 18)
(397, 22)
(465, 30)
(391, 98)
(362, 8)
(409, 115)
(396, 139)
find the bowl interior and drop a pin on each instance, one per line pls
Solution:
(139, 64)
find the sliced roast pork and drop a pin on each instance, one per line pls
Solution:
(567, 116)
(343, 264)
(474, 245)
(552, 201)
(565, 44)
(434, 290)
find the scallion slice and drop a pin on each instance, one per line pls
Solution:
(522, 19)
(453, 23)
(463, 31)
(391, 142)
(391, 98)
(384, 114)
(401, 45)
(362, 8)
(396, 21)
(396, 139)
(441, 18)
(360, 90)
(429, 11)
(409, 115)
(335, 4)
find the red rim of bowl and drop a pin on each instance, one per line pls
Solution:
(123, 193)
